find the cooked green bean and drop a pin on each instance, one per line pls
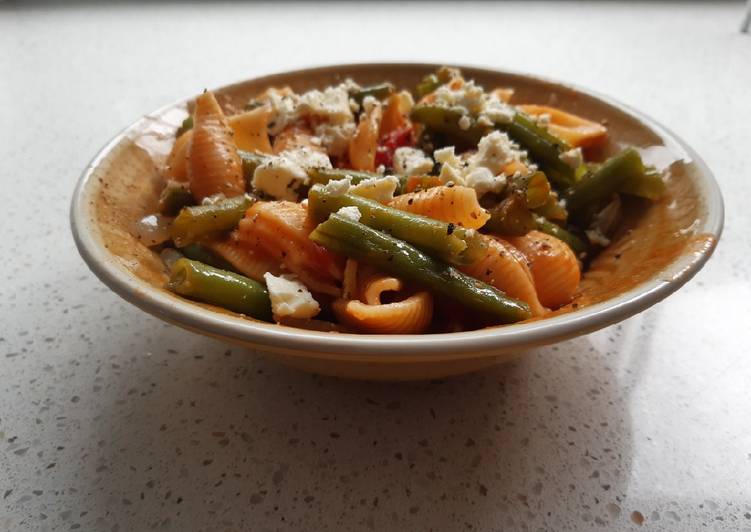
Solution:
(578, 245)
(194, 223)
(428, 84)
(321, 176)
(251, 161)
(379, 92)
(358, 241)
(594, 190)
(511, 217)
(203, 254)
(648, 185)
(535, 186)
(224, 289)
(543, 148)
(175, 195)
(187, 125)
(452, 244)
(445, 120)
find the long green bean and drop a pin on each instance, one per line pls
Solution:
(578, 245)
(379, 92)
(194, 223)
(224, 289)
(452, 244)
(203, 254)
(358, 241)
(511, 217)
(175, 195)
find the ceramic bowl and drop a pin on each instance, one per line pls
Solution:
(658, 250)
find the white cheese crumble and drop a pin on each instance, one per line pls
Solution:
(280, 176)
(483, 181)
(289, 297)
(369, 103)
(572, 157)
(338, 187)
(464, 123)
(335, 138)
(411, 161)
(488, 108)
(494, 151)
(379, 189)
(350, 213)
(482, 170)
(331, 105)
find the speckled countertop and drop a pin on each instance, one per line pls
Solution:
(111, 420)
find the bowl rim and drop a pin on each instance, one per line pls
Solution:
(493, 340)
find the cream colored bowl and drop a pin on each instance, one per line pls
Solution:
(659, 249)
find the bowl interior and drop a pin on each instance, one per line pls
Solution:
(659, 248)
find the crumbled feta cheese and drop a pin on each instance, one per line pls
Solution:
(380, 169)
(369, 103)
(338, 187)
(596, 237)
(483, 181)
(572, 157)
(494, 151)
(283, 109)
(411, 161)
(335, 138)
(350, 213)
(488, 108)
(331, 105)
(452, 168)
(497, 111)
(281, 176)
(289, 297)
(379, 189)
(464, 123)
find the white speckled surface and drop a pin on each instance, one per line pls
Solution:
(112, 420)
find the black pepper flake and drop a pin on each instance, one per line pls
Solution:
(617, 256)
(450, 228)
(410, 201)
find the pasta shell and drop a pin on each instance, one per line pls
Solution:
(250, 261)
(409, 316)
(553, 265)
(295, 137)
(363, 145)
(281, 229)
(176, 167)
(457, 205)
(214, 166)
(251, 129)
(396, 112)
(505, 268)
(575, 130)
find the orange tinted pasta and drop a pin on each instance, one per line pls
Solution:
(504, 267)
(575, 130)
(251, 261)
(214, 165)
(457, 205)
(251, 129)
(281, 229)
(553, 265)
(363, 145)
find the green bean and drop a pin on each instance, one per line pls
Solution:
(452, 244)
(552, 209)
(578, 245)
(187, 125)
(250, 161)
(228, 290)
(194, 223)
(378, 91)
(427, 85)
(595, 189)
(649, 185)
(203, 254)
(358, 241)
(535, 186)
(445, 120)
(321, 176)
(543, 148)
(175, 195)
(511, 217)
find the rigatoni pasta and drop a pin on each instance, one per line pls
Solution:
(380, 210)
